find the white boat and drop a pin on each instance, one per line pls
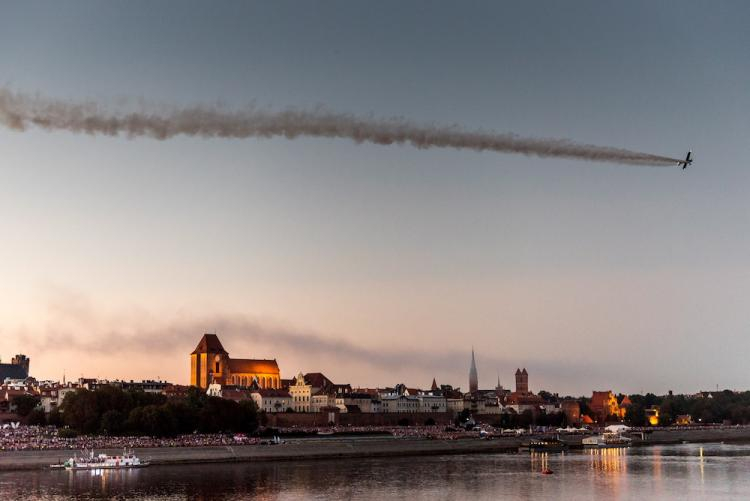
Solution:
(102, 462)
(607, 439)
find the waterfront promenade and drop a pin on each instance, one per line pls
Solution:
(354, 447)
(292, 449)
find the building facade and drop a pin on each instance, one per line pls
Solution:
(522, 381)
(271, 400)
(210, 363)
(301, 394)
(17, 369)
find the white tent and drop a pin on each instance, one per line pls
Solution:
(617, 428)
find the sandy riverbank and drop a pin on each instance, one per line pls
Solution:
(348, 447)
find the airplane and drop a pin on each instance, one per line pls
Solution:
(687, 160)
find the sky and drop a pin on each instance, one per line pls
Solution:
(385, 264)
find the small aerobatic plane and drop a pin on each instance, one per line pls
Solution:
(687, 160)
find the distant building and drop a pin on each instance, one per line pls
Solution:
(572, 410)
(17, 369)
(604, 405)
(229, 392)
(301, 393)
(272, 400)
(359, 401)
(146, 385)
(652, 415)
(522, 381)
(684, 420)
(210, 363)
(176, 391)
(473, 376)
(393, 402)
(522, 399)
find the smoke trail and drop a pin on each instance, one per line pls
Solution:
(19, 111)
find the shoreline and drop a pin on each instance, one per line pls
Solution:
(348, 447)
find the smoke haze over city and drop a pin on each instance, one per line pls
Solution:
(378, 265)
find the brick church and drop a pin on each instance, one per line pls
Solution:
(210, 363)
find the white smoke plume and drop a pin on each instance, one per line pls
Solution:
(19, 111)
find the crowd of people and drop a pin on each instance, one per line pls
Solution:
(47, 438)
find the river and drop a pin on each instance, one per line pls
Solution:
(688, 471)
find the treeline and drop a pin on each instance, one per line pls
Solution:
(515, 420)
(111, 411)
(719, 407)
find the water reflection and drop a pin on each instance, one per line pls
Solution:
(682, 472)
(609, 460)
(100, 480)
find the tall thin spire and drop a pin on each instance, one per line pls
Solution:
(473, 377)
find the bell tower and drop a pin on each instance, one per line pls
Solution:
(209, 362)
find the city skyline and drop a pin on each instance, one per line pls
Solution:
(381, 264)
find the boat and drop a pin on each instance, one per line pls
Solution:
(606, 440)
(102, 462)
(546, 445)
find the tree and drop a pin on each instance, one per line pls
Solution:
(546, 396)
(24, 404)
(80, 411)
(525, 419)
(462, 417)
(112, 422)
(635, 414)
(55, 418)
(36, 417)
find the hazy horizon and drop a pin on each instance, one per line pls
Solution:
(384, 264)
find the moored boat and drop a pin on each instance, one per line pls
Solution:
(606, 440)
(102, 462)
(545, 445)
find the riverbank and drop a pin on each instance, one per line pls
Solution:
(352, 447)
(293, 449)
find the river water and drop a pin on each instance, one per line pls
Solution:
(689, 471)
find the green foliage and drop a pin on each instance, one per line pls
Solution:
(55, 418)
(546, 396)
(112, 422)
(715, 407)
(635, 414)
(462, 417)
(110, 410)
(24, 404)
(36, 417)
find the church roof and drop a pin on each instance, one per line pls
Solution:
(12, 371)
(434, 385)
(317, 380)
(209, 343)
(268, 393)
(251, 366)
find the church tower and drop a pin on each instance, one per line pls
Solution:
(522, 381)
(209, 362)
(473, 377)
